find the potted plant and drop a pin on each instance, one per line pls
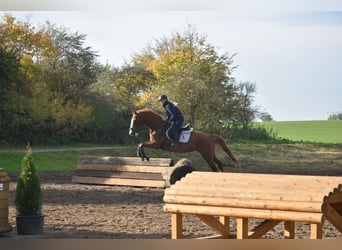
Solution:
(28, 200)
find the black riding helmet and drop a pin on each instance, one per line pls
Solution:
(162, 97)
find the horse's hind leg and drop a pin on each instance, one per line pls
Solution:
(218, 163)
(211, 161)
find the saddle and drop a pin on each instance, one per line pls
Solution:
(185, 133)
(186, 128)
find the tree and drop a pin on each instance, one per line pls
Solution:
(335, 116)
(265, 117)
(21, 47)
(71, 69)
(115, 95)
(246, 113)
(28, 199)
(47, 74)
(9, 68)
(189, 69)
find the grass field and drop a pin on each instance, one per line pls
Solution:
(323, 153)
(308, 131)
(271, 158)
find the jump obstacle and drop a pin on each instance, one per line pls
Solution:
(4, 202)
(124, 171)
(216, 197)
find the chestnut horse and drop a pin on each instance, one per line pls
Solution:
(204, 143)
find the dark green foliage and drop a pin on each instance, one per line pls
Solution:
(251, 132)
(28, 200)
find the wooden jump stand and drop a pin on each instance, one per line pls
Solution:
(216, 197)
(122, 171)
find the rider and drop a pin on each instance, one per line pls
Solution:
(174, 120)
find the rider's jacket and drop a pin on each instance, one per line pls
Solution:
(173, 113)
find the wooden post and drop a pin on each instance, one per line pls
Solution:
(289, 229)
(218, 225)
(177, 227)
(242, 228)
(262, 229)
(225, 222)
(316, 231)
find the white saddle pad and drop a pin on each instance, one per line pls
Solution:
(185, 136)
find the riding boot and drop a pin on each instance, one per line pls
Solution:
(176, 139)
(174, 143)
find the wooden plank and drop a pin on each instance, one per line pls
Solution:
(123, 168)
(3, 221)
(234, 179)
(241, 192)
(245, 213)
(244, 203)
(4, 195)
(271, 178)
(262, 228)
(127, 171)
(4, 204)
(165, 162)
(177, 226)
(215, 224)
(118, 182)
(4, 213)
(299, 188)
(118, 174)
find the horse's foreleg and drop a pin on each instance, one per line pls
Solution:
(141, 152)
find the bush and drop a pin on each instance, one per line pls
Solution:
(252, 132)
(28, 200)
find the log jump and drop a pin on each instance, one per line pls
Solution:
(123, 171)
(216, 197)
(130, 171)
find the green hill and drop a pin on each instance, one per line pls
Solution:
(329, 131)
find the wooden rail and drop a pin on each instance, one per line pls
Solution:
(215, 197)
(125, 171)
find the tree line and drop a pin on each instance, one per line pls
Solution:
(53, 89)
(335, 116)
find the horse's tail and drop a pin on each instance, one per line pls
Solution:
(220, 141)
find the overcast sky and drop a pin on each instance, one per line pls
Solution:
(291, 50)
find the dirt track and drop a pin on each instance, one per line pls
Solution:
(90, 211)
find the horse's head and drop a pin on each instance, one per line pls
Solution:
(145, 117)
(136, 123)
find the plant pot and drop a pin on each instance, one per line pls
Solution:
(30, 224)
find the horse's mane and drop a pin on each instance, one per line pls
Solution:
(151, 113)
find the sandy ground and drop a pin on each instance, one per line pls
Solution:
(96, 212)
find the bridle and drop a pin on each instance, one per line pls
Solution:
(132, 130)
